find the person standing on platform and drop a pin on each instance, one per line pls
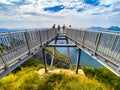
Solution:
(53, 26)
(69, 26)
(58, 28)
(63, 28)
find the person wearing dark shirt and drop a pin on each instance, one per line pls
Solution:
(53, 26)
(69, 26)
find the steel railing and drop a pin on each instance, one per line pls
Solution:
(104, 44)
(16, 45)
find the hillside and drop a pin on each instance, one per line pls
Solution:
(29, 79)
(31, 76)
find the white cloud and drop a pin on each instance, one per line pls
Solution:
(4, 2)
(109, 1)
(92, 15)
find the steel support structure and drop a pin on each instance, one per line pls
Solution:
(44, 60)
(20, 46)
(78, 61)
(53, 58)
(60, 45)
(68, 48)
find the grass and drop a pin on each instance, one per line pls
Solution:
(62, 59)
(26, 77)
(103, 75)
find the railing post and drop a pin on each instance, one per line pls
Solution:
(44, 60)
(75, 36)
(27, 40)
(47, 37)
(56, 39)
(40, 37)
(83, 39)
(113, 41)
(78, 60)
(97, 41)
(6, 66)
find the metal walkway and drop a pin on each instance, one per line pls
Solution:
(17, 47)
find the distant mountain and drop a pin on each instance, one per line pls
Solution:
(3, 29)
(116, 28)
(96, 28)
(11, 29)
(112, 28)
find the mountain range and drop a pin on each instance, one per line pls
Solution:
(112, 28)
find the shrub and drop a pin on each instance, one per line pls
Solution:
(103, 75)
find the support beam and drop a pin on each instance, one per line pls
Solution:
(44, 60)
(69, 58)
(78, 60)
(61, 45)
(56, 40)
(69, 54)
(61, 38)
(53, 57)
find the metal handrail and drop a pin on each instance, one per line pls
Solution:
(101, 43)
(19, 44)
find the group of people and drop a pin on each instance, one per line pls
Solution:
(58, 28)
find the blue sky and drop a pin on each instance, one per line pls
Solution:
(44, 13)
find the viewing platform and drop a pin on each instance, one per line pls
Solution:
(17, 47)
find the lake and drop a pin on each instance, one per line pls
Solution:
(85, 59)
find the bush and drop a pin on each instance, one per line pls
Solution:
(103, 75)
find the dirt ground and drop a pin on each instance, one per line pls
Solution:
(63, 71)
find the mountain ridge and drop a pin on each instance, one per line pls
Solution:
(111, 28)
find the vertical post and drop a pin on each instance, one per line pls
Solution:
(53, 56)
(6, 66)
(44, 60)
(65, 31)
(83, 39)
(78, 60)
(56, 39)
(69, 54)
(27, 41)
(69, 58)
(47, 37)
(112, 43)
(40, 37)
(97, 42)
